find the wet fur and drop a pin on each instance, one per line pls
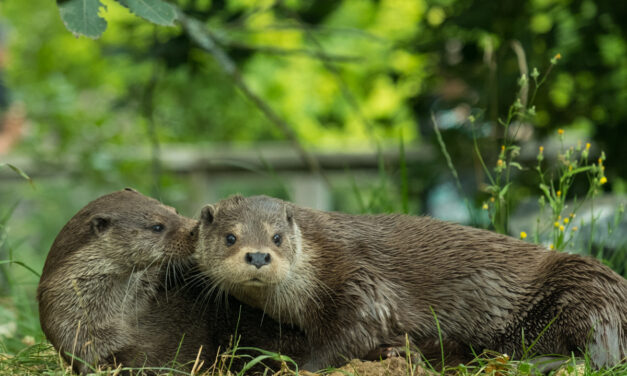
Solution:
(354, 281)
(114, 291)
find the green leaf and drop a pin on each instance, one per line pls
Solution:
(19, 172)
(20, 263)
(252, 363)
(545, 189)
(516, 164)
(155, 11)
(493, 189)
(503, 192)
(81, 17)
(576, 171)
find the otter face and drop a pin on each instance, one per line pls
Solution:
(246, 242)
(142, 232)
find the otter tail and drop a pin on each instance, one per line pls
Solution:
(607, 344)
(592, 300)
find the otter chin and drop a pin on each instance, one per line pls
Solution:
(255, 283)
(351, 282)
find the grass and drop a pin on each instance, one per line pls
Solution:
(41, 359)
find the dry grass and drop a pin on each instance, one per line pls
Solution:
(42, 359)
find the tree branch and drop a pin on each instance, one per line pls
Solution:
(205, 40)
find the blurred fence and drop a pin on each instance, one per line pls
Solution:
(209, 167)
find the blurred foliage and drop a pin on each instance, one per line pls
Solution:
(341, 72)
(471, 42)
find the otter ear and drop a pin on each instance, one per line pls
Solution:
(100, 223)
(208, 213)
(289, 214)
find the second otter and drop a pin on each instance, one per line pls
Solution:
(103, 296)
(353, 281)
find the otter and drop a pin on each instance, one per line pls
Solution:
(115, 289)
(353, 281)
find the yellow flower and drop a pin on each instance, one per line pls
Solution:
(551, 247)
(600, 161)
(558, 193)
(566, 220)
(556, 224)
(558, 56)
(561, 228)
(560, 131)
(573, 215)
(499, 162)
(523, 234)
(603, 180)
(485, 206)
(492, 199)
(502, 148)
(570, 167)
(541, 148)
(575, 228)
(587, 146)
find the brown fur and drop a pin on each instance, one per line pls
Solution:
(353, 281)
(104, 294)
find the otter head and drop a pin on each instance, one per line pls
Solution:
(139, 231)
(247, 242)
(123, 231)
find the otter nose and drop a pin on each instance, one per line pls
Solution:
(258, 259)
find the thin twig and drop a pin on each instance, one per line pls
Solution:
(318, 29)
(289, 51)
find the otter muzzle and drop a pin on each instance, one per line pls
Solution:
(258, 259)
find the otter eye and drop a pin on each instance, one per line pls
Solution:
(230, 239)
(158, 227)
(277, 239)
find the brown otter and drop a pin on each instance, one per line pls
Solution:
(352, 281)
(104, 298)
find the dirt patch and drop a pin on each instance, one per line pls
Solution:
(389, 367)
